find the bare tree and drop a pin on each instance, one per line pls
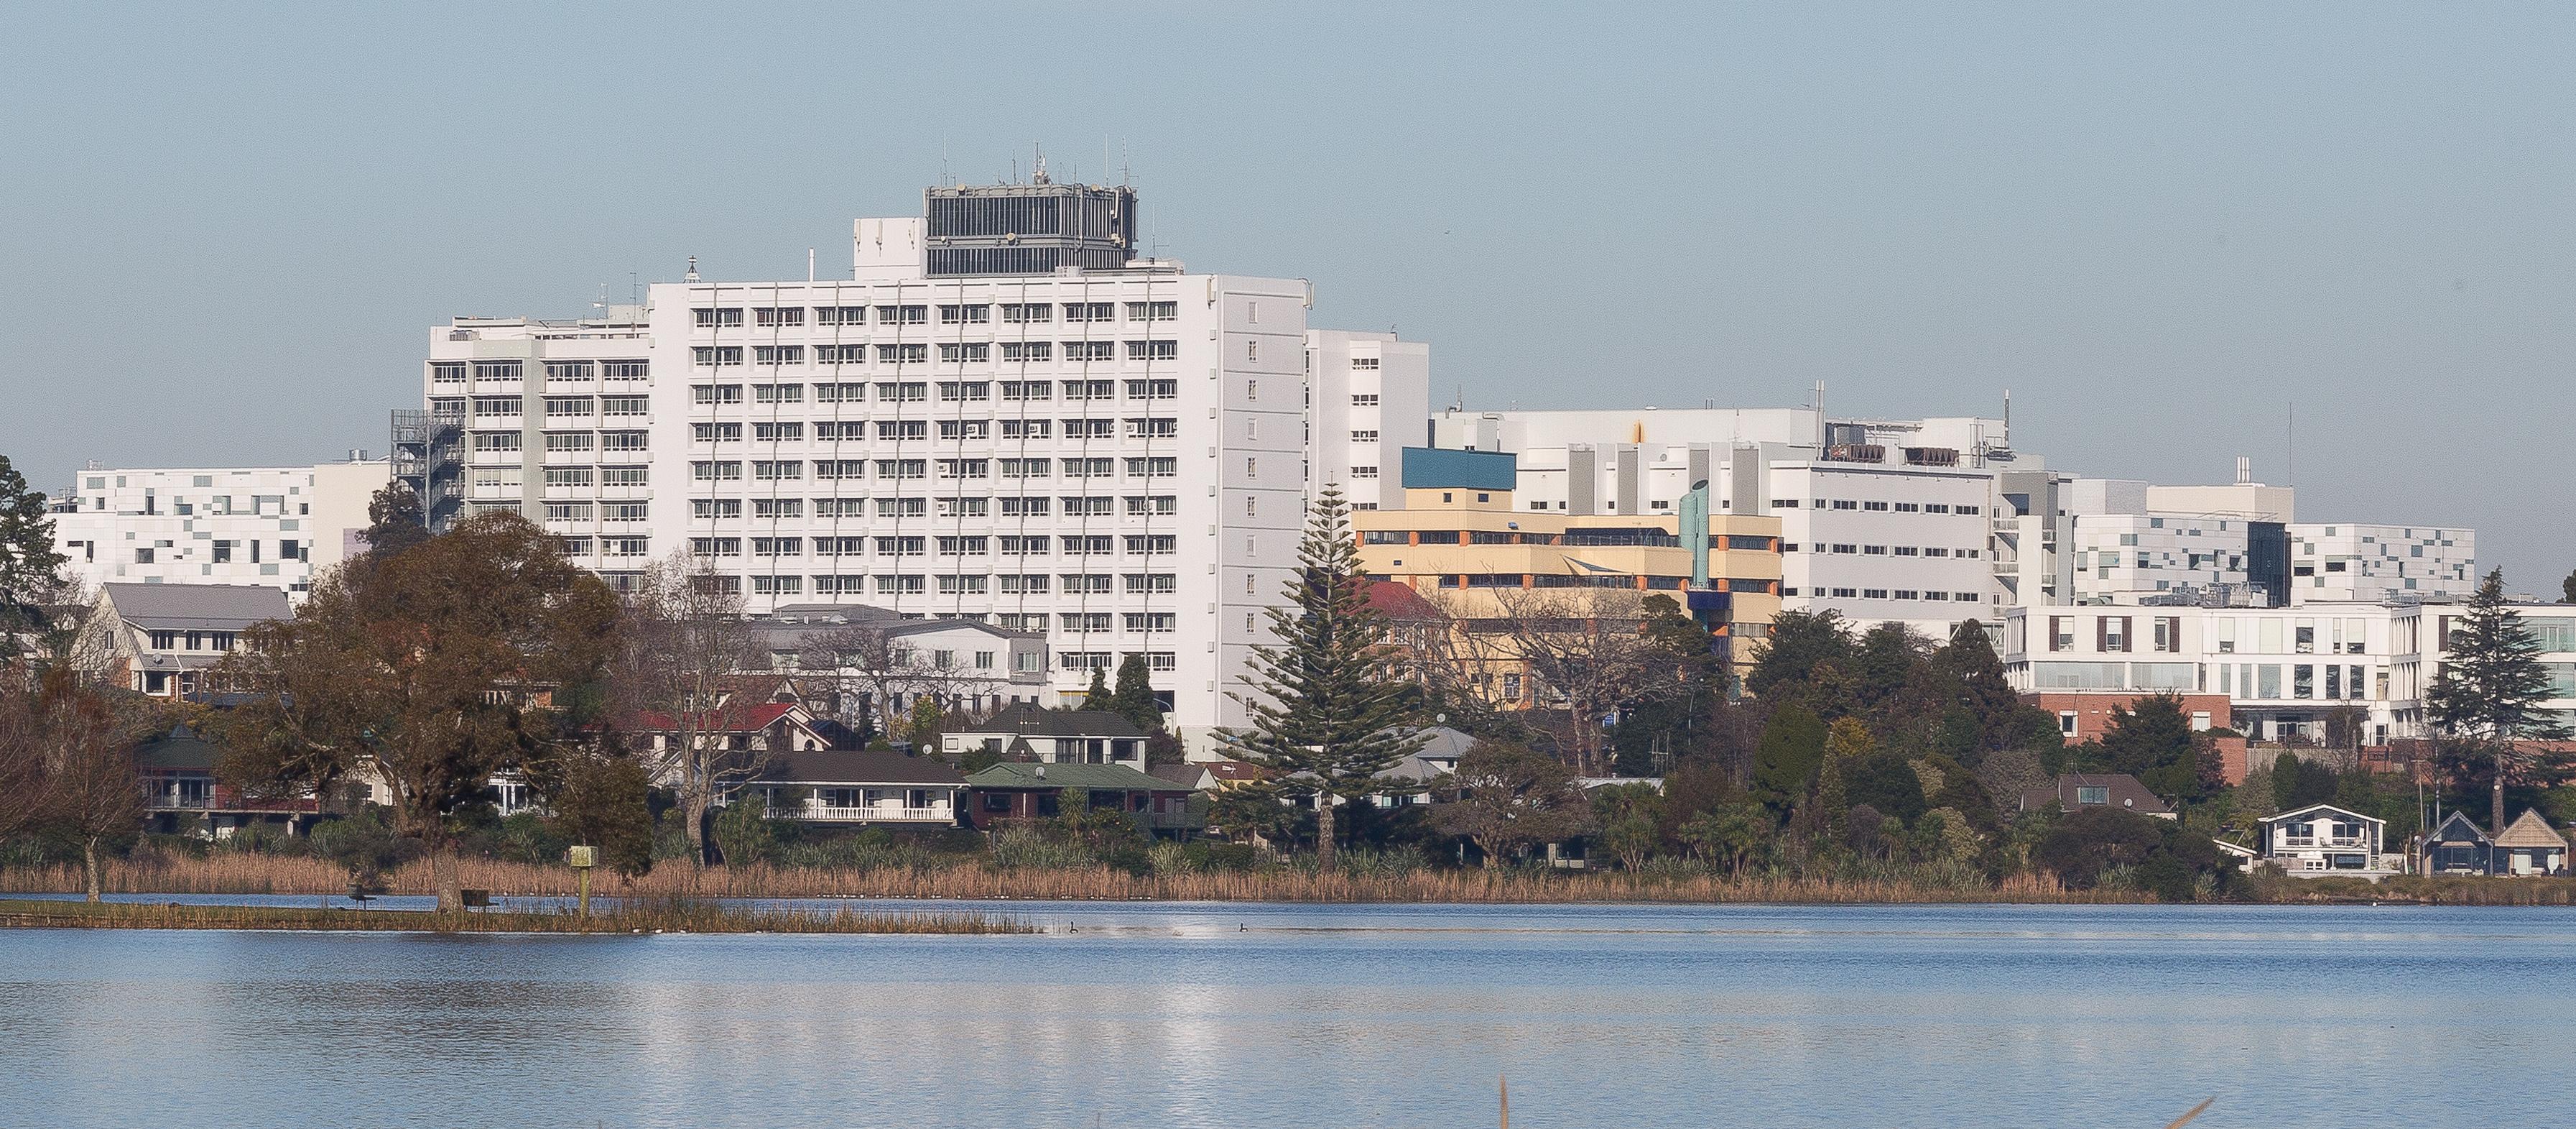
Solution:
(1581, 654)
(682, 654)
(873, 666)
(91, 794)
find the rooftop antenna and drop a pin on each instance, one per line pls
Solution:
(2290, 465)
(634, 288)
(692, 276)
(809, 264)
(2007, 415)
(1124, 181)
(1039, 175)
(1460, 404)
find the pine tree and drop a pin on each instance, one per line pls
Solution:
(2491, 686)
(1096, 697)
(1785, 759)
(30, 568)
(1328, 708)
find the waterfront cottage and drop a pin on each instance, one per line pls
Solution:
(849, 787)
(2528, 846)
(2322, 840)
(2456, 845)
(1014, 790)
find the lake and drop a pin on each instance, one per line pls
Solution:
(1311, 1016)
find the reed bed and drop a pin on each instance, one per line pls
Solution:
(966, 881)
(646, 916)
(2421, 890)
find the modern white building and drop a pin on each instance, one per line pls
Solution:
(271, 526)
(1926, 522)
(1002, 415)
(2283, 669)
(2239, 543)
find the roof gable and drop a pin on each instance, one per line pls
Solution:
(2314, 810)
(2457, 828)
(202, 606)
(2530, 830)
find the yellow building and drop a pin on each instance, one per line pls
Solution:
(1461, 543)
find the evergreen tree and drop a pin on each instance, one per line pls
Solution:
(1096, 696)
(1846, 742)
(2567, 589)
(1134, 697)
(30, 568)
(1785, 761)
(2490, 689)
(1328, 708)
(1799, 642)
(395, 521)
(2151, 739)
(1979, 706)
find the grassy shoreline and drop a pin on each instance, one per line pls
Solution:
(264, 874)
(648, 917)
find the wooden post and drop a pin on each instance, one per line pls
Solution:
(582, 859)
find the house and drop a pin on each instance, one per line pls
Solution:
(176, 771)
(1209, 776)
(1015, 790)
(843, 786)
(857, 658)
(2529, 846)
(755, 727)
(2322, 840)
(159, 639)
(1025, 732)
(2456, 845)
(2075, 791)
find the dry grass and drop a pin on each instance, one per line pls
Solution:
(2420, 890)
(660, 916)
(263, 874)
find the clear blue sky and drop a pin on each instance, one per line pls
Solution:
(224, 233)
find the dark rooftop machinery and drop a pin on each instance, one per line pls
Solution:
(1036, 228)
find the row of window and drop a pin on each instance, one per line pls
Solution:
(1844, 548)
(565, 441)
(793, 470)
(455, 372)
(1873, 507)
(1092, 505)
(950, 352)
(509, 477)
(898, 430)
(1884, 594)
(222, 551)
(960, 313)
(950, 391)
(963, 545)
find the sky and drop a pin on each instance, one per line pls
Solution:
(2335, 238)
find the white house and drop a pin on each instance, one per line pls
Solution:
(2325, 841)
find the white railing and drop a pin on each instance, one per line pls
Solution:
(877, 814)
(2325, 841)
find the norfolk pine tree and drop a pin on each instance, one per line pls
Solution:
(2491, 687)
(1327, 707)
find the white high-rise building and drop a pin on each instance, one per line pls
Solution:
(1369, 398)
(1001, 415)
(275, 527)
(2239, 543)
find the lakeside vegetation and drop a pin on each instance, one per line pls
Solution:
(662, 915)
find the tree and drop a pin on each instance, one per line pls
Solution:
(1629, 816)
(1785, 762)
(1327, 712)
(2567, 589)
(1846, 742)
(67, 763)
(1585, 653)
(429, 672)
(2490, 690)
(30, 568)
(1134, 697)
(606, 801)
(2088, 841)
(1507, 797)
(1799, 642)
(1966, 689)
(922, 728)
(395, 521)
(682, 647)
(875, 673)
(1733, 831)
(2151, 738)
(1097, 696)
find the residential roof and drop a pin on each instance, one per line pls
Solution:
(852, 766)
(1398, 601)
(179, 749)
(2457, 827)
(2121, 790)
(1232, 770)
(1030, 721)
(2313, 809)
(1018, 774)
(216, 607)
(2530, 830)
(1191, 776)
(749, 719)
(1440, 742)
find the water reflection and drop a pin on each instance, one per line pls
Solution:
(1253, 1015)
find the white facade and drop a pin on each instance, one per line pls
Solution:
(2381, 562)
(1925, 522)
(1117, 458)
(2281, 668)
(1370, 398)
(270, 526)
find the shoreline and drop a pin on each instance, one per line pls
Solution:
(966, 882)
(648, 918)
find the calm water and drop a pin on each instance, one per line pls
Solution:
(1212, 1015)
